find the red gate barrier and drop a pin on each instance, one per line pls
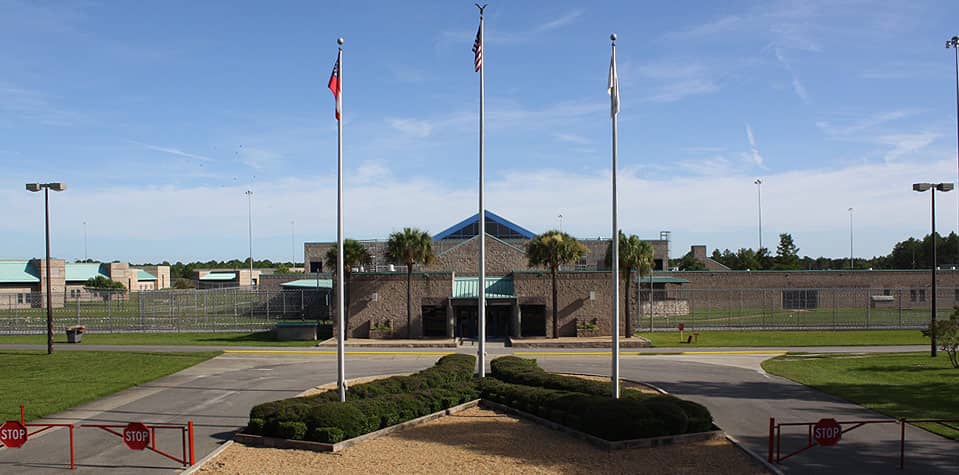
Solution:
(133, 436)
(822, 433)
(19, 439)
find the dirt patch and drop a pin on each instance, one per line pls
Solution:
(643, 388)
(483, 441)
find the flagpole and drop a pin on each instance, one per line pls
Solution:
(341, 275)
(614, 109)
(481, 350)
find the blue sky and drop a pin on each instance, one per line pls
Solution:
(159, 115)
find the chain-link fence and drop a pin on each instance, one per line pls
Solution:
(783, 309)
(213, 310)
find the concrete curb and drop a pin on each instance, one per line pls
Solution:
(762, 461)
(274, 442)
(204, 460)
(647, 442)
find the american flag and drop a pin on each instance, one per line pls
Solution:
(334, 85)
(478, 49)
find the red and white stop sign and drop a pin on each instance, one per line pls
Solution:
(136, 436)
(827, 432)
(13, 434)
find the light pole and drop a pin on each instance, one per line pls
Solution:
(84, 241)
(293, 243)
(560, 218)
(954, 44)
(249, 194)
(46, 187)
(933, 187)
(851, 261)
(759, 194)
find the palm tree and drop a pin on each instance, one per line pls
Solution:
(634, 254)
(553, 249)
(410, 247)
(354, 255)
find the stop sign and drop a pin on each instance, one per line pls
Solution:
(136, 436)
(13, 434)
(827, 432)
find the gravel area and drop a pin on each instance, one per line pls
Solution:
(483, 441)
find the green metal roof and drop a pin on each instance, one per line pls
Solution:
(77, 272)
(15, 272)
(496, 287)
(144, 275)
(308, 284)
(219, 276)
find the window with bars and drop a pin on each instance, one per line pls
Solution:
(801, 299)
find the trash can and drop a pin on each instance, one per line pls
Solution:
(75, 333)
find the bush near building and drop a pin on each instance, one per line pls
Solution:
(574, 402)
(587, 406)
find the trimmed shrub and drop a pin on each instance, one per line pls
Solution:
(370, 406)
(291, 430)
(255, 426)
(328, 435)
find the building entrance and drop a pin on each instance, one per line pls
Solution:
(497, 321)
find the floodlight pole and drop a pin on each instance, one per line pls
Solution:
(932, 188)
(954, 44)
(34, 187)
(759, 195)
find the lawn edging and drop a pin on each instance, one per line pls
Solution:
(278, 443)
(646, 442)
(649, 442)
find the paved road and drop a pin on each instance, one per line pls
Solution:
(218, 394)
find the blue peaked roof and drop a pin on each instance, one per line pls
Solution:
(490, 216)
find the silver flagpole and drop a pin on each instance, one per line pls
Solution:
(614, 110)
(481, 350)
(341, 275)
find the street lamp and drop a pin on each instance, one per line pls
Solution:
(46, 187)
(560, 218)
(851, 266)
(249, 194)
(954, 44)
(933, 187)
(759, 193)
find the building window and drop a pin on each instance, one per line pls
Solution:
(888, 292)
(912, 295)
(805, 299)
(19, 298)
(922, 295)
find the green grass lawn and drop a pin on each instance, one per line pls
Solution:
(200, 339)
(47, 384)
(910, 385)
(789, 338)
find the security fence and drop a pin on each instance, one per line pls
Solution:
(783, 309)
(213, 310)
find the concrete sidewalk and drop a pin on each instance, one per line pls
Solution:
(216, 395)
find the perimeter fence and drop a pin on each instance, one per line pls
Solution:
(784, 309)
(212, 310)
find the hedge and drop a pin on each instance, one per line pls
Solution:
(370, 406)
(554, 397)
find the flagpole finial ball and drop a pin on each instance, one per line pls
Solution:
(612, 36)
(339, 41)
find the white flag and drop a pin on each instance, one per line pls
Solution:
(613, 87)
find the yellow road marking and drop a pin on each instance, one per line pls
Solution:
(321, 352)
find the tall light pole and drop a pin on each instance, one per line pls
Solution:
(46, 187)
(759, 194)
(293, 243)
(954, 44)
(851, 261)
(933, 187)
(249, 194)
(560, 218)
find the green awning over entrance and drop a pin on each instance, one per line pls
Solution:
(308, 284)
(496, 287)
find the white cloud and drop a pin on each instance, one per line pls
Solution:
(756, 157)
(415, 127)
(719, 211)
(258, 158)
(675, 81)
(560, 22)
(862, 124)
(797, 85)
(906, 145)
(172, 151)
(572, 138)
